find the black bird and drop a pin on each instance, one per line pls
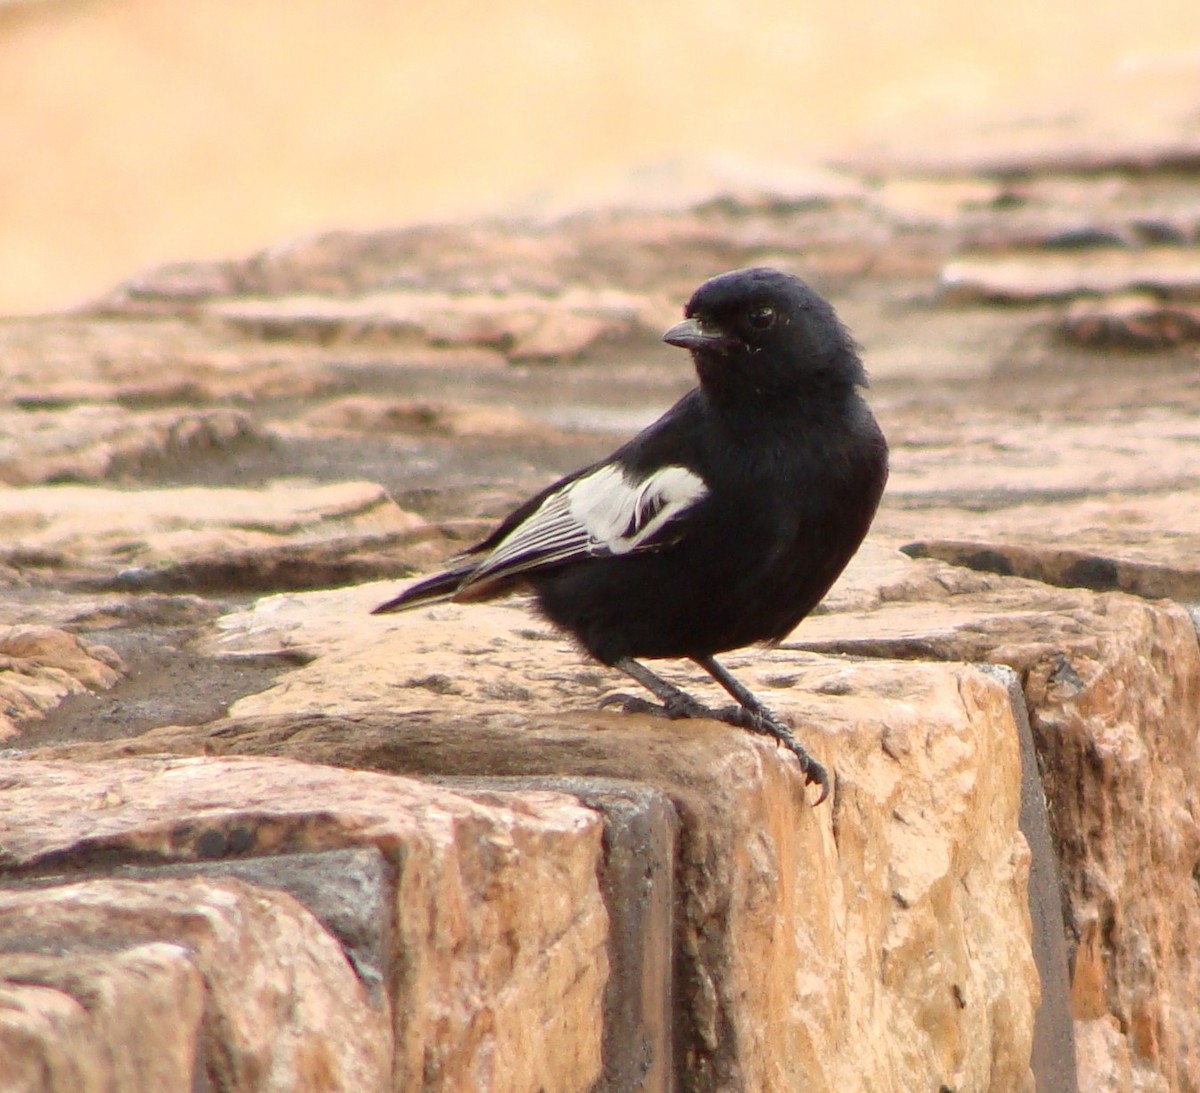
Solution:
(722, 524)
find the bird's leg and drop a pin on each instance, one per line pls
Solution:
(749, 713)
(759, 718)
(675, 703)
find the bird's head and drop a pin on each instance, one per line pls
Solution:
(766, 333)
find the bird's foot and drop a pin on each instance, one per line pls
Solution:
(633, 704)
(749, 713)
(676, 707)
(762, 720)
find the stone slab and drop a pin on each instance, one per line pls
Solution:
(496, 931)
(281, 1007)
(803, 931)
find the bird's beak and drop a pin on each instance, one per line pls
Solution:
(693, 334)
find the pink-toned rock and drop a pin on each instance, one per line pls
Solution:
(92, 443)
(521, 325)
(96, 526)
(1051, 276)
(1075, 567)
(922, 199)
(1145, 542)
(803, 931)
(58, 360)
(41, 665)
(1106, 1063)
(711, 182)
(1054, 211)
(75, 1020)
(57, 363)
(1012, 459)
(495, 960)
(879, 940)
(1112, 684)
(283, 1008)
(437, 417)
(106, 610)
(1133, 321)
(1115, 720)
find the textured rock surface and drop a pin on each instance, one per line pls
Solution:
(1113, 687)
(40, 665)
(919, 855)
(1117, 721)
(1053, 276)
(192, 455)
(93, 443)
(75, 1019)
(282, 1007)
(496, 935)
(1133, 321)
(523, 326)
(155, 527)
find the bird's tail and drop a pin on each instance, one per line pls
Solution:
(437, 589)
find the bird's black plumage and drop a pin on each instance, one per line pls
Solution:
(722, 524)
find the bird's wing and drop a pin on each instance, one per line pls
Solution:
(606, 511)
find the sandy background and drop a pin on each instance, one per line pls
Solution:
(134, 132)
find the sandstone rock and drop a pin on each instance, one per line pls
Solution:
(180, 284)
(103, 611)
(1117, 731)
(1143, 542)
(87, 525)
(559, 281)
(1132, 322)
(495, 964)
(1103, 1056)
(675, 222)
(638, 882)
(1069, 567)
(801, 936)
(40, 666)
(456, 658)
(486, 257)
(803, 931)
(1047, 276)
(269, 568)
(60, 364)
(283, 1009)
(982, 460)
(1062, 211)
(92, 443)
(944, 201)
(1106, 1063)
(76, 1019)
(439, 417)
(521, 325)
(1112, 685)
(60, 360)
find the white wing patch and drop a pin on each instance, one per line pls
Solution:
(602, 513)
(620, 515)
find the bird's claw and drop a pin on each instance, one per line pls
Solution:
(814, 773)
(765, 722)
(760, 721)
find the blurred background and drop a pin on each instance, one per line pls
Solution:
(134, 132)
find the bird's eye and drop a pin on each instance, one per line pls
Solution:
(762, 317)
